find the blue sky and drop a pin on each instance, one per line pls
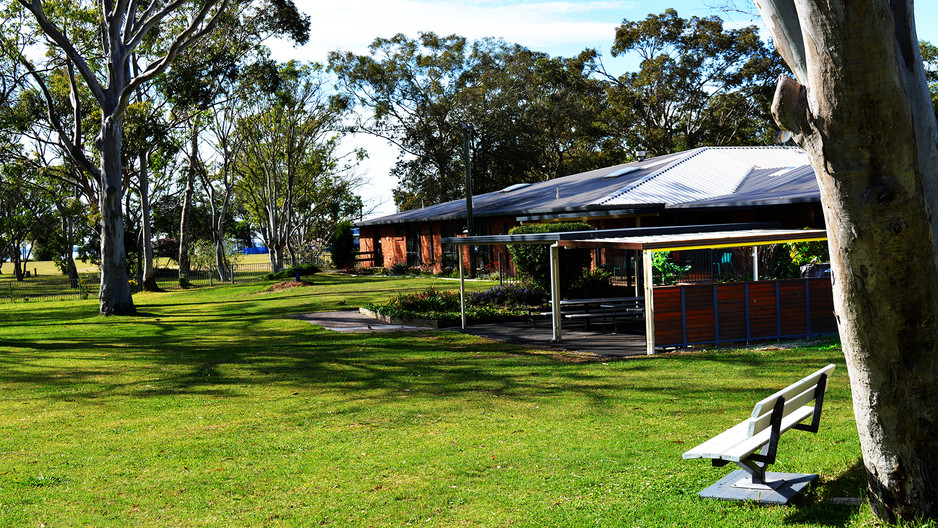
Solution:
(557, 27)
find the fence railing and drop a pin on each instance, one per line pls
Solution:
(170, 279)
(48, 289)
(87, 286)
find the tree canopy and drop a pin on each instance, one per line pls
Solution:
(534, 117)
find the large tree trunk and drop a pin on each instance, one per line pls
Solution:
(114, 295)
(862, 113)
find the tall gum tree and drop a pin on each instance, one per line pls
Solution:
(125, 24)
(861, 109)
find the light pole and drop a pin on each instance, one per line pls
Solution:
(470, 225)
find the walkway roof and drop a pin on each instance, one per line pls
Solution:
(656, 238)
(684, 241)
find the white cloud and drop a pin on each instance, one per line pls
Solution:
(554, 27)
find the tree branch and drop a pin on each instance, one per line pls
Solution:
(182, 41)
(787, 34)
(74, 151)
(153, 19)
(35, 7)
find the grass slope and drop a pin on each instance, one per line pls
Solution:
(214, 408)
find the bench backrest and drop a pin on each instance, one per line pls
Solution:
(796, 395)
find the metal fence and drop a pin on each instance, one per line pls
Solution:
(61, 288)
(48, 289)
(170, 279)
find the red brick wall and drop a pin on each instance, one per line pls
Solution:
(393, 245)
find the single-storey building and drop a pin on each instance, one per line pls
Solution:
(708, 185)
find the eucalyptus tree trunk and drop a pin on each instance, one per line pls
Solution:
(861, 110)
(115, 296)
(187, 204)
(124, 26)
(149, 277)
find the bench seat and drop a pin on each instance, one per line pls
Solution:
(735, 444)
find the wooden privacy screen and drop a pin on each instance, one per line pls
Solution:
(743, 311)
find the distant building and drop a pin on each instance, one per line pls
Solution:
(708, 185)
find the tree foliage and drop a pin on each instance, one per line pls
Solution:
(288, 167)
(533, 260)
(698, 84)
(532, 117)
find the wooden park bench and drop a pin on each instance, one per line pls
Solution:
(752, 444)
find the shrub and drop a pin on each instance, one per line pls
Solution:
(667, 271)
(440, 304)
(808, 252)
(533, 260)
(509, 295)
(398, 268)
(430, 300)
(595, 279)
(290, 273)
(775, 262)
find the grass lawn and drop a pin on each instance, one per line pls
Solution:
(213, 408)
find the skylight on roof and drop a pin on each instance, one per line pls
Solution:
(782, 171)
(620, 172)
(514, 187)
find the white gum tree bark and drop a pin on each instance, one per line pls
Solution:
(860, 108)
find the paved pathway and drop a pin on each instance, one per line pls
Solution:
(534, 334)
(354, 322)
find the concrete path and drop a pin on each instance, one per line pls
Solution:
(352, 321)
(535, 334)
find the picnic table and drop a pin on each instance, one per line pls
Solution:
(604, 308)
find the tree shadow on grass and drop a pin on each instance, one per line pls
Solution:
(200, 344)
(833, 502)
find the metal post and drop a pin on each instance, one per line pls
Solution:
(648, 268)
(555, 290)
(470, 224)
(462, 294)
(755, 263)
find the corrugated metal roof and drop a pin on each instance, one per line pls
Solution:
(766, 187)
(705, 173)
(706, 177)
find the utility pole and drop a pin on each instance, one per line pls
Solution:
(470, 225)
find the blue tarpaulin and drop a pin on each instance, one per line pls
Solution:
(255, 251)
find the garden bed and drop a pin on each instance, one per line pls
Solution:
(440, 308)
(446, 322)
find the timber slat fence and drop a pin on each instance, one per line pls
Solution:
(61, 288)
(743, 311)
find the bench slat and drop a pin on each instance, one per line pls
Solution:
(755, 443)
(749, 436)
(757, 425)
(720, 442)
(765, 406)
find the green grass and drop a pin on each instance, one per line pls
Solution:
(213, 408)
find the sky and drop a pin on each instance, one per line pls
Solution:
(557, 27)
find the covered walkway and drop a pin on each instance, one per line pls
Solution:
(646, 241)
